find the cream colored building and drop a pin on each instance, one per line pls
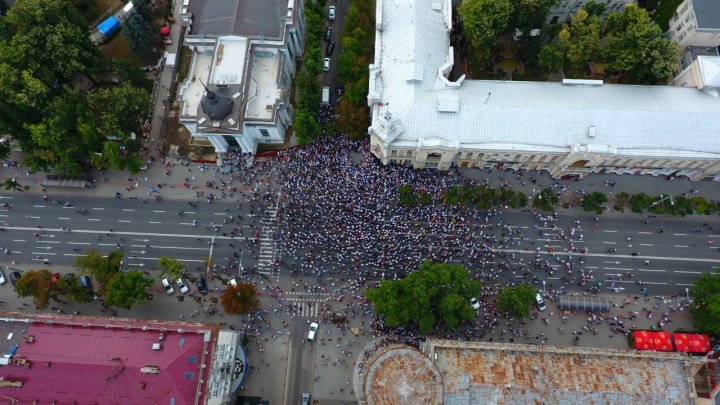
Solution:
(696, 23)
(425, 118)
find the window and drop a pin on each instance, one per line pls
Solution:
(507, 155)
(393, 161)
(431, 165)
(188, 376)
(192, 359)
(407, 162)
(408, 153)
(264, 132)
(393, 152)
(531, 158)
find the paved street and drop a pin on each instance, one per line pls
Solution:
(292, 295)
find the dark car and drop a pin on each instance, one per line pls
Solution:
(330, 48)
(328, 33)
(202, 285)
(15, 276)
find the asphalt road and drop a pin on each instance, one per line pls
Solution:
(300, 363)
(143, 231)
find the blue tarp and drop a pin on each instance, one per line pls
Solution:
(109, 26)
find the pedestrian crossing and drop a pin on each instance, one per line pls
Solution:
(266, 262)
(304, 309)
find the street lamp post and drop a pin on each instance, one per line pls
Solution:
(543, 285)
(687, 294)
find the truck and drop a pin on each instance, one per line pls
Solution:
(325, 96)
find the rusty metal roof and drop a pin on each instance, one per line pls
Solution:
(489, 373)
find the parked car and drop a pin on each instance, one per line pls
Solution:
(182, 286)
(15, 276)
(474, 302)
(328, 33)
(540, 303)
(313, 331)
(167, 286)
(202, 285)
(330, 48)
(2, 278)
(331, 13)
(326, 64)
(233, 282)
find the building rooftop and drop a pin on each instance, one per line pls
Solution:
(491, 373)
(408, 80)
(709, 70)
(251, 18)
(707, 13)
(264, 88)
(107, 361)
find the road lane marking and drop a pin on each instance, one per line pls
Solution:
(652, 270)
(43, 253)
(687, 272)
(591, 267)
(610, 243)
(18, 240)
(680, 234)
(682, 246)
(123, 220)
(128, 209)
(616, 268)
(45, 241)
(78, 243)
(66, 219)
(563, 253)
(185, 223)
(610, 231)
(714, 236)
(175, 247)
(189, 212)
(93, 219)
(686, 285)
(158, 211)
(646, 244)
(34, 217)
(99, 209)
(107, 244)
(155, 222)
(645, 233)
(220, 213)
(38, 206)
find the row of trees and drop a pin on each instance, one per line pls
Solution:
(484, 197)
(666, 204)
(705, 307)
(305, 122)
(44, 50)
(630, 43)
(357, 53)
(408, 198)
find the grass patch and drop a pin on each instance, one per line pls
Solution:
(184, 61)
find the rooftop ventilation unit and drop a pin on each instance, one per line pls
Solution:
(581, 82)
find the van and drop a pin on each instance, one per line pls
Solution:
(540, 303)
(85, 282)
(325, 95)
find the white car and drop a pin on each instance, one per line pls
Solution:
(474, 302)
(326, 64)
(2, 278)
(182, 286)
(167, 286)
(331, 13)
(540, 303)
(313, 331)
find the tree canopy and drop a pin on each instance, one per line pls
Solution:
(44, 49)
(484, 20)
(516, 300)
(172, 267)
(38, 285)
(433, 292)
(239, 299)
(103, 269)
(705, 307)
(127, 289)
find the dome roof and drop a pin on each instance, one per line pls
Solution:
(217, 108)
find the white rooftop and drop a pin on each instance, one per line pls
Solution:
(229, 60)
(193, 90)
(264, 89)
(413, 46)
(709, 70)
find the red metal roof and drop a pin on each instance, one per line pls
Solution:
(643, 340)
(101, 365)
(690, 342)
(663, 342)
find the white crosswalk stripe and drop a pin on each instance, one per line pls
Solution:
(266, 264)
(304, 309)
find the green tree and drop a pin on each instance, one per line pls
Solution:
(595, 201)
(594, 8)
(516, 300)
(127, 289)
(70, 287)
(484, 20)
(433, 292)
(239, 299)
(103, 269)
(545, 200)
(130, 71)
(640, 202)
(11, 184)
(530, 14)
(138, 33)
(406, 196)
(636, 46)
(306, 126)
(172, 267)
(622, 199)
(579, 41)
(551, 58)
(37, 284)
(44, 46)
(705, 307)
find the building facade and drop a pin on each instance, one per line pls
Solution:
(696, 23)
(244, 59)
(424, 117)
(565, 9)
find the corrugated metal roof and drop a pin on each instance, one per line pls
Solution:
(250, 18)
(707, 13)
(487, 373)
(710, 70)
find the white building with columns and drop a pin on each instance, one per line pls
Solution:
(424, 117)
(237, 91)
